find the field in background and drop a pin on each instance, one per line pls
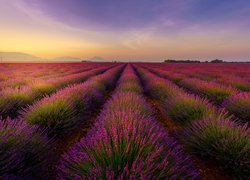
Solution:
(124, 121)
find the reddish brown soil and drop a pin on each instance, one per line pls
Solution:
(209, 170)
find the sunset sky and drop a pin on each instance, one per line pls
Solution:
(127, 29)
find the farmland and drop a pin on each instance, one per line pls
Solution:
(124, 121)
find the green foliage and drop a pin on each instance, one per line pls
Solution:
(56, 116)
(186, 109)
(223, 140)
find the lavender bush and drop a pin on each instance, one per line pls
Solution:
(239, 105)
(55, 113)
(158, 88)
(126, 142)
(187, 108)
(67, 108)
(223, 140)
(215, 92)
(13, 99)
(24, 151)
(129, 82)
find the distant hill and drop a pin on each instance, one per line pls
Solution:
(67, 58)
(17, 56)
(97, 58)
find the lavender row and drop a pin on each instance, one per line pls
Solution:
(235, 102)
(24, 80)
(227, 79)
(26, 149)
(209, 132)
(126, 142)
(48, 72)
(234, 75)
(215, 92)
(14, 75)
(224, 77)
(63, 110)
(12, 100)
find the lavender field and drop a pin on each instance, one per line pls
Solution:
(124, 89)
(124, 121)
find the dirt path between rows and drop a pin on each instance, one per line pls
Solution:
(207, 168)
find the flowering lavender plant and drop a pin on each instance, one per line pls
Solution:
(64, 110)
(224, 140)
(24, 151)
(157, 87)
(186, 108)
(14, 99)
(239, 105)
(126, 142)
(215, 92)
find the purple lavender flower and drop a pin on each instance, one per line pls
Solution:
(224, 140)
(24, 151)
(239, 105)
(186, 108)
(215, 92)
(126, 142)
(63, 111)
(13, 99)
(157, 87)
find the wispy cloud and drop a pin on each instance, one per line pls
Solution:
(132, 28)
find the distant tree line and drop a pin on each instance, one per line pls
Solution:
(181, 61)
(193, 61)
(217, 61)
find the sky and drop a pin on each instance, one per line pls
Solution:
(127, 29)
